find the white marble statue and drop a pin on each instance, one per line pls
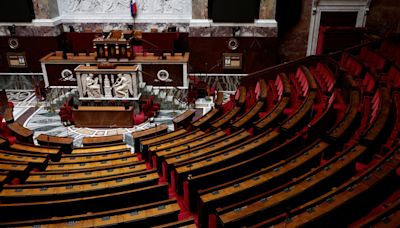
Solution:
(107, 87)
(91, 86)
(123, 86)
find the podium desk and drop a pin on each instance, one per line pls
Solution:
(103, 116)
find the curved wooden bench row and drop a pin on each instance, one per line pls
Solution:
(145, 143)
(206, 139)
(184, 119)
(355, 192)
(202, 179)
(139, 216)
(260, 181)
(98, 150)
(65, 143)
(204, 121)
(15, 166)
(295, 192)
(82, 205)
(22, 133)
(187, 137)
(295, 119)
(249, 116)
(185, 157)
(282, 98)
(68, 190)
(225, 157)
(351, 118)
(102, 140)
(226, 118)
(151, 132)
(32, 149)
(25, 158)
(93, 158)
(388, 217)
(82, 174)
(57, 166)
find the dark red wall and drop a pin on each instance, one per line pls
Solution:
(174, 70)
(34, 47)
(54, 74)
(206, 53)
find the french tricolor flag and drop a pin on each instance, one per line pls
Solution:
(133, 8)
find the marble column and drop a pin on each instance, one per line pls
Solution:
(267, 9)
(134, 85)
(45, 9)
(80, 90)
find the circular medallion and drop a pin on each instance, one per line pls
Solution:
(13, 43)
(162, 75)
(233, 44)
(67, 75)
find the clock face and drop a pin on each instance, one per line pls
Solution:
(13, 43)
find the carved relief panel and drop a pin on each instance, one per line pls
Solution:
(147, 9)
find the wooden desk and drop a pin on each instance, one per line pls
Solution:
(23, 134)
(105, 116)
(66, 143)
(8, 115)
(184, 119)
(242, 96)
(220, 99)
(263, 90)
(92, 141)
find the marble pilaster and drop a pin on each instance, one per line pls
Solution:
(200, 9)
(267, 9)
(45, 9)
